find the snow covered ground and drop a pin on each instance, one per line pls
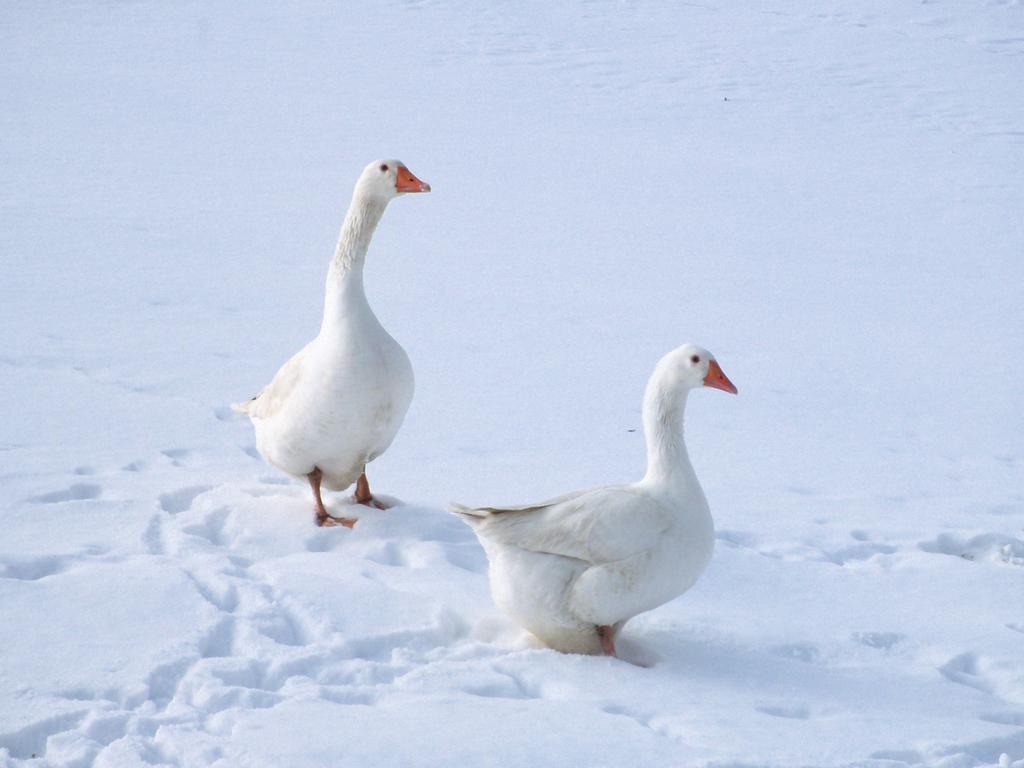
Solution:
(827, 195)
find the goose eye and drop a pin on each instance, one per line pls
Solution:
(384, 167)
(695, 359)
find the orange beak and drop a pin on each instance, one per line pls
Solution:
(406, 182)
(716, 378)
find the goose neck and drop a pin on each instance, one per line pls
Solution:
(668, 463)
(345, 299)
(357, 230)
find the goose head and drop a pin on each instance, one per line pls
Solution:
(690, 367)
(387, 179)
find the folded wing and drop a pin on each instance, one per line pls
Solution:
(601, 525)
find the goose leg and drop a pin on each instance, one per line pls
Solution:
(363, 495)
(321, 518)
(607, 635)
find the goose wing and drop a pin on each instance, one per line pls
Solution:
(270, 399)
(597, 526)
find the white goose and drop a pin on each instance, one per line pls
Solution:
(338, 403)
(573, 570)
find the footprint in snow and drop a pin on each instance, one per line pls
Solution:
(991, 547)
(76, 492)
(226, 413)
(176, 455)
(219, 641)
(790, 712)
(218, 591)
(965, 669)
(286, 627)
(340, 695)
(863, 550)
(388, 553)
(152, 537)
(211, 528)
(33, 569)
(807, 653)
(622, 711)
(30, 741)
(881, 640)
(1003, 718)
(181, 500)
(502, 685)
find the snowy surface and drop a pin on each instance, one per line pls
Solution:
(827, 195)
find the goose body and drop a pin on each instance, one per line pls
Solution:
(338, 403)
(575, 569)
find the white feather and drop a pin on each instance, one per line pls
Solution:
(564, 567)
(338, 403)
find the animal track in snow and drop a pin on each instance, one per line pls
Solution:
(500, 683)
(176, 455)
(344, 695)
(30, 741)
(222, 595)
(636, 716)
(285, 627)
(180, 500)
(220, 639)
(791, 712)
(33, 568)
(152, 537)
(163, 680)
(105, 727)
(861, 551)
(744, 539)
(964, 669)
(323, 540)
(808, 550)
(225, 413)
(808, 653)
(388, 553)
(76, 492)
(991, 547)
(214, 699)
(881, 640)
(211, 527)
(500, 689)
(382, 647)
(1003, 718)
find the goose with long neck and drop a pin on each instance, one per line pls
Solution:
(338, 403)
(575, 569)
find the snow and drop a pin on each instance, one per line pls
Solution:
(826, 195)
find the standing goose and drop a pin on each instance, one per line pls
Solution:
(338, 403)
(573, 570)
